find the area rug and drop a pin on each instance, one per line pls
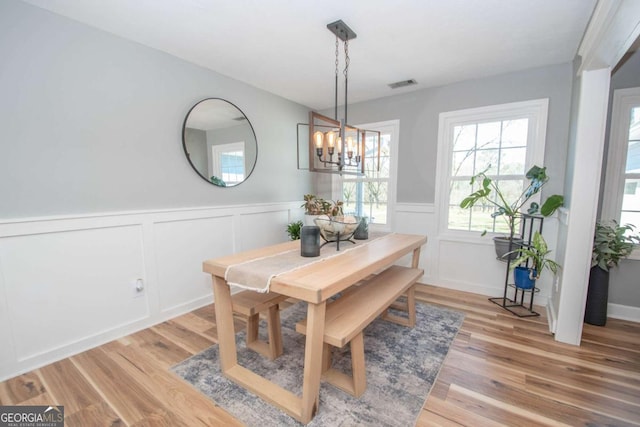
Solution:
(402, 365)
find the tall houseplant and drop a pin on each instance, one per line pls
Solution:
(611, 243)
(511, 210)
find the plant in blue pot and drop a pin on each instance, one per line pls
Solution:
(531, 261)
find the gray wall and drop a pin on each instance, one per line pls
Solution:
(624, 286)
(90, 122)
(418, 114)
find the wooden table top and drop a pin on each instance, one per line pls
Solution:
(318, 281)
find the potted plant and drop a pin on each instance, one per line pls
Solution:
(511, 210)
(293, 230)
(611, 243)
(531, 261)
(316, 206)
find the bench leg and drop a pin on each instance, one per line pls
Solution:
(355, 384)
(272, 348)
(357, 365)
(409, 308)
(326, 357)
(252, 329)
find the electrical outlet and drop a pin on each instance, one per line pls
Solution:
(138, 288)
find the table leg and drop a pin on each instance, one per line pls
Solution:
(415, 261)
(313, 360)
(224, 324)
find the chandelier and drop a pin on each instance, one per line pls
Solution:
(334, 145)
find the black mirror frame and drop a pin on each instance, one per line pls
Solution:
(186, 153)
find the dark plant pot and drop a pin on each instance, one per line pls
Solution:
(504, 246)
(597, 297)
(522, 278)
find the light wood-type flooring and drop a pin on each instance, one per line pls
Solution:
(500, 370)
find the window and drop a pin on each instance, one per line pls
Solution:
(622, 183)
(373, 195)
(504, 141)
(228, 162)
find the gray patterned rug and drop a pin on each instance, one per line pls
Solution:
(402, 365)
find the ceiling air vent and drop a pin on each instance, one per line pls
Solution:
(403, 83)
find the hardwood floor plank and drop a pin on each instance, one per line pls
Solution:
(190, 341)
(499, 410)
(457, 414)
(18, 389)
(99, 414)
(431, 419)
(589, 400)
(66, 384)
(197, 324)
(163, 349)
(125, 396)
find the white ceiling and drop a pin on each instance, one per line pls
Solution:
(283, 46)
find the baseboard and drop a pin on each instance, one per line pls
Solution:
(551, 316)
(463, 287)
(623, 312)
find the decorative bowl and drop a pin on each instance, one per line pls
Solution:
(333, 228)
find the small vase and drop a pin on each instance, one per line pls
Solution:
(362, 232)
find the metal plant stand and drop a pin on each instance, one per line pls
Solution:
(529, 224)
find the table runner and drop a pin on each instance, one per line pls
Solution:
(256, 275)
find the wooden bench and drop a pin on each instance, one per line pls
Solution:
(346, 318)
(250, 304)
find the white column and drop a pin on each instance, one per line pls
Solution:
(583, 202)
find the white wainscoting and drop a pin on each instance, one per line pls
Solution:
(470, 264)
(68, 283)
(467, 264)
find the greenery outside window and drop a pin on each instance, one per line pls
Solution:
(502, 140)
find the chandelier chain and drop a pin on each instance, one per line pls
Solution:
(346, 58)
(346, 81)
(337, 54)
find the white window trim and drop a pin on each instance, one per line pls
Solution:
(623, 101)
(537, 108)
(393, 127)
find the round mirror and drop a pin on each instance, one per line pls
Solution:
(219, 142)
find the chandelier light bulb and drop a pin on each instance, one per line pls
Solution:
(331, 139)
(318, 138)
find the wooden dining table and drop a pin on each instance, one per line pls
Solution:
(314, 283)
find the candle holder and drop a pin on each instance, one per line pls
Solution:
(310, 241)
